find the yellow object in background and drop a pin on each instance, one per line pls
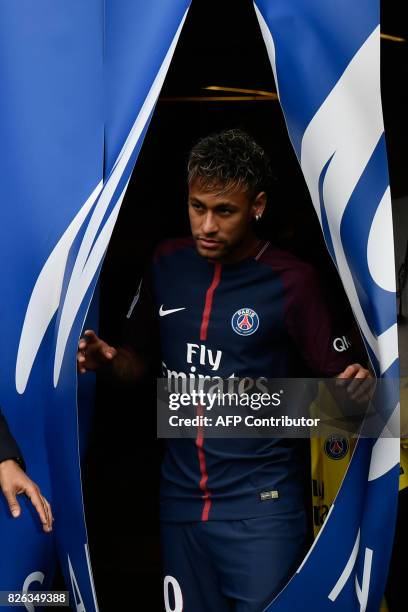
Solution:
(331, 455)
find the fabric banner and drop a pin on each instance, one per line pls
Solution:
(326, 61)
(80, 82)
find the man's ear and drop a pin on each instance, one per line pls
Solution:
(259, 204)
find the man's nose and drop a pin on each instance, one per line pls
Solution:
(210, 225)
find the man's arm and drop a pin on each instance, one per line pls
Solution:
(320, 328)
(14, 481)
(326, 336)
(139, 347)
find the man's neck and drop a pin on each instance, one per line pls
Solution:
(247, 249)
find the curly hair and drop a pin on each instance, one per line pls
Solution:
(230, 160)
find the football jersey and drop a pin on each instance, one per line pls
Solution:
(265, 316)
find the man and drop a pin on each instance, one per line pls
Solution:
(14, 481)
(228, 304)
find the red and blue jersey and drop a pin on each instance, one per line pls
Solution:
(266, 316)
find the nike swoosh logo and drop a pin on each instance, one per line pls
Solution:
(163, 312)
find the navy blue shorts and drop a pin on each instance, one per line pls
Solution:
(230, 566)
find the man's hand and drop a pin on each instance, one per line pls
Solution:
(361, 389)
(14, 481)
(93, 352)
(355, 370)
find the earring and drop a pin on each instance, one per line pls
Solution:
(257, 217)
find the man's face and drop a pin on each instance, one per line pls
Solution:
(221, 221)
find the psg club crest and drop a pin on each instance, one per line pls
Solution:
(336, 447)
(245, 322)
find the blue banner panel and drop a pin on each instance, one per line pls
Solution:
(82, 80)
(326, 63)
(51, 125)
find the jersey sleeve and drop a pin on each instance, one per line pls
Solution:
(322, 331)
(8, 446)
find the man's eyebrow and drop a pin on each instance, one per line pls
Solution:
(226, 203)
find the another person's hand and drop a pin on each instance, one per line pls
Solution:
(93, 352)
(14, 481)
